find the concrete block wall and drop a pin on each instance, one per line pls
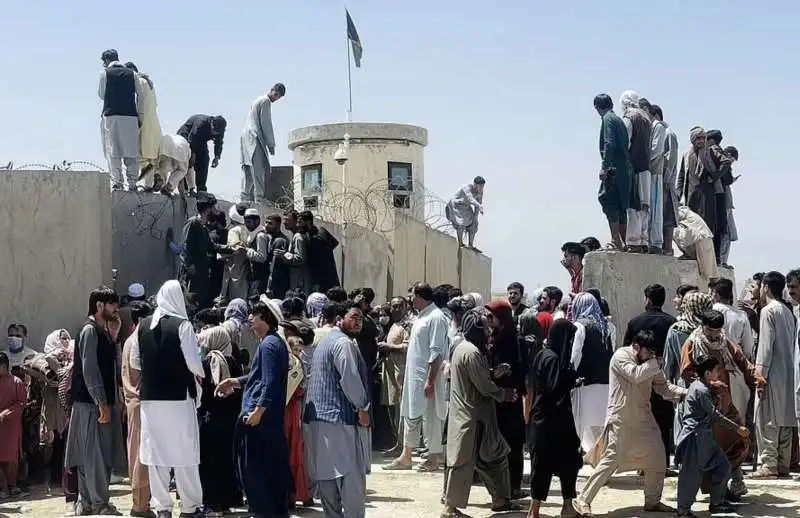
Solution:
(621, 279)
(56, 241)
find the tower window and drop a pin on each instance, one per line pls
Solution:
(400, 177)
(311, 178)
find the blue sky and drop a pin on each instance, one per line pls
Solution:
(505, 91)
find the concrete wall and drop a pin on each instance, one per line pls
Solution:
(424, 254)
(621, 279)
(143, 226)
(365, 174)
(56, 248)
(476, 273)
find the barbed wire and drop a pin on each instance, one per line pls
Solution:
(373, 208)
(370, 208)
(64, 165)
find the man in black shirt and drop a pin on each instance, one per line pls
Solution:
(655, 320)
(198, 130)
(516, 293)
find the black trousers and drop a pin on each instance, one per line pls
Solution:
(200, 164)
(664, 414)
(512, 428)
(722, 224)
(542, 477)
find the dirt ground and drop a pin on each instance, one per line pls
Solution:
(416, 495)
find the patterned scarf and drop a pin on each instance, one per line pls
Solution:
(702, 347)
(585, 307)
(694, 305)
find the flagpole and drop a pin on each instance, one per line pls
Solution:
(349, 76)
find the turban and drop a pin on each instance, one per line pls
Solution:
(629, 99)
(696, 132)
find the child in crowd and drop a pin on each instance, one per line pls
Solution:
(697, 451)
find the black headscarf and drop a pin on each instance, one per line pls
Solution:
(560, 342)
(473, 327)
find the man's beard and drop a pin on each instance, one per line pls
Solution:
(107, 315)
(350, 334)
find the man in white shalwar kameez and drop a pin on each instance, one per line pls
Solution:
(258, 144)
(167, 356)
(119, 126)
(658, 139)
(631, 439)
(464, 208)
(423, 404)
(149, 125)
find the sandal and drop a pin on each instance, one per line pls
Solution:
(397, 465)
(763, 473)
(611, 247)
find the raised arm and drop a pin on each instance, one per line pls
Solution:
(633, 373)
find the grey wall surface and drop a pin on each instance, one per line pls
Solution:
(56, 248)
(621, 279)
(143, 226)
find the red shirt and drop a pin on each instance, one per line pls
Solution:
(577, 280)
(545, 320)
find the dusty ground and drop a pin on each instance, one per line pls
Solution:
(416, 495)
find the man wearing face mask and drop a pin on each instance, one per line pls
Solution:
(394, 366)
(94, 442)
(631, 439)
(18, 352)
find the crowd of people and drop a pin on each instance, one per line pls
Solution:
(651, 195)
(152, 161)
(163, 388)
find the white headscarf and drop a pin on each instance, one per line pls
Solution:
(53, 346)
(170, 302)
(477, 298)
(629, 99)
(234, 215)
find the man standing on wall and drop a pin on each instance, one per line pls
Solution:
(615, 170)
(463, 210)
(198, 130)
(119, 128)
(639, 129)
(257, 145)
